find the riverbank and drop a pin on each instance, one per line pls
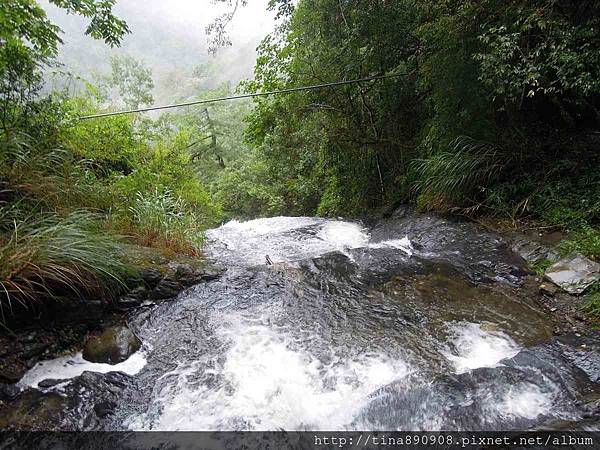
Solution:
(541, 247)
(55, 328)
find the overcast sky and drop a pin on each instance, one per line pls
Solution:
(168, 35)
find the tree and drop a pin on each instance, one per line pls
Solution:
(484, 89)
(132, 80)
(29, 41)
(217, 29)
(26, 22)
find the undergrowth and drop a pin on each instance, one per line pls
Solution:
(49, 256)
(592, 300)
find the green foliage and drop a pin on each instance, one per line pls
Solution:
(167, 166)
(245, 192)
(592, 300)
(132, 80)
(109, 145)
(495, 111)
(448, 177)
(26, 22)
(166, 221)
(540, 267)
(338, 150)
(540, 51)
(585, 240)
(48, 256)
(69, 189)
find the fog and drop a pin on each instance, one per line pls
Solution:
(169, 37)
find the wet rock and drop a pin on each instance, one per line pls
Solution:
(34, 350)
(128, 302)
(113, 346)
(180, 276)
(442, 295)
(489, 327)
(479, 254)
(482, 399)
(12, 369)
(210, 275)
(139, 293)
(184, 274)
(575, 274)
(10, 391)
(83, 405)
(104, 408)
(166, 289)
(49, 383)
(583, 352)
(548, 289)
(188, 275)
(33, 410)
(151, 277)
(533, 252)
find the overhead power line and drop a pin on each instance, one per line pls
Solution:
(236, 97)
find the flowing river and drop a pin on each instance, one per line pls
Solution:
(411, 323)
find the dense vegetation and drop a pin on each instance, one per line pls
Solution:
(75, 195)
(492, 109)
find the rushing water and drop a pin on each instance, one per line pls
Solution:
(415, 323)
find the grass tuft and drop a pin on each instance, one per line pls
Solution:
(165, 221)
(592, 301)
(47, 257)
(449, 177)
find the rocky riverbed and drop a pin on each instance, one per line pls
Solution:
(412, 322)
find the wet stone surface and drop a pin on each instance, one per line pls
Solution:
(418, 322)
(575, 274)
(112, 346)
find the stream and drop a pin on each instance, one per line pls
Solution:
(412, 323)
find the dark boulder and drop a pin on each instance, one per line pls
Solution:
(531, 251)
(32, 410)
(50, 382)
(104, 408)
(9, 391)
(113, 346)
(151, 277)
(12, 368)
(180, 276)
(166, 289)
(83, 405)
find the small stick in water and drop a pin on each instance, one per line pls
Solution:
(269, 261)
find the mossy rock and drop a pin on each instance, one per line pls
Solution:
(113, 346)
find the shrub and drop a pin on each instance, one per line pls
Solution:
(166, 167)
(48, 176)
(246, 193)
(592, 301)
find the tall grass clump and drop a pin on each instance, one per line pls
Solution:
(52, 176)
(162, 219)
(449, 178)
(48, 257)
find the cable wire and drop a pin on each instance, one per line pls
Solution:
(236, 97)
